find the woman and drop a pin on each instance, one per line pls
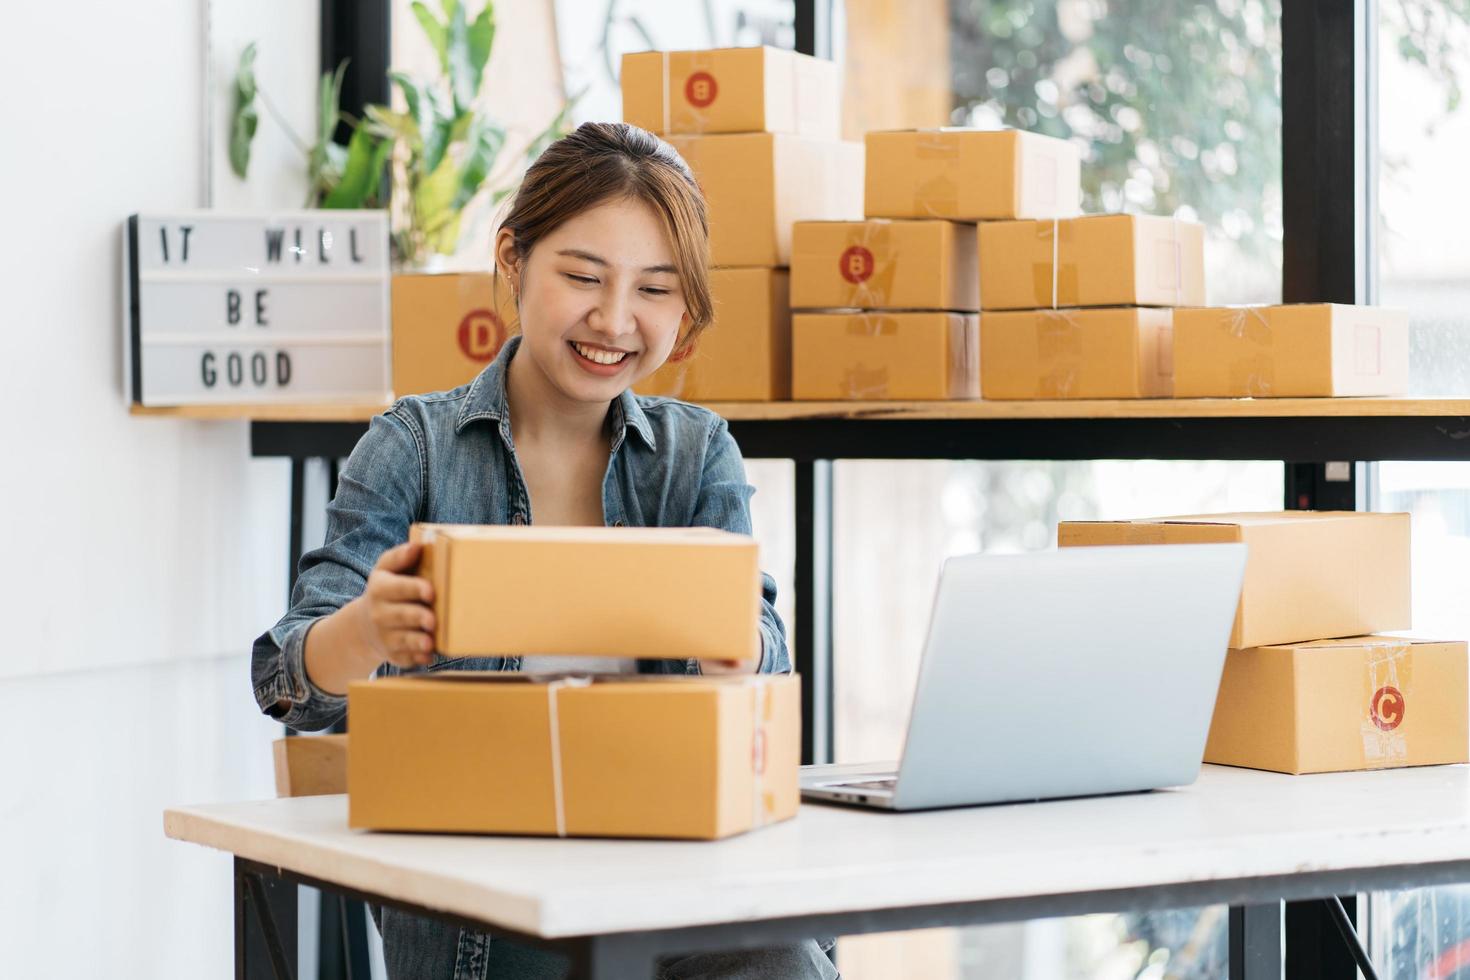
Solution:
(605, 248)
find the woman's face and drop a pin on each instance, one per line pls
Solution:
(600, 300)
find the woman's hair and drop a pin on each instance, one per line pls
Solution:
(606, 161)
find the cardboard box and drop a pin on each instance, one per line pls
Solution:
(758, 184)
(732, 90)
(1290, 351)
(447, 327)
(1368, 702)
(1109, 353)
(505, 591)
(885, 356)
(971, 175)
(745, 355)
(1096, 260)
(310, 765)
(884, 265)
(1308, 575)
(644, 756)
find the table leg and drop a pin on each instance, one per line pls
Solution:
(265, 926)
(1315, 950)
(812, 631)
(1255, 942)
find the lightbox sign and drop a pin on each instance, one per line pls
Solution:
(283, 307)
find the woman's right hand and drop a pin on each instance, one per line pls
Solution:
(395, 615)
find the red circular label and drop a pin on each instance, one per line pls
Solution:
(700, 89)
(1387, 708)
(855, 264)
(481, 335)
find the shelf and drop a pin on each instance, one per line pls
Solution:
(1162, 408)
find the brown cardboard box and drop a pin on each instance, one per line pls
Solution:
(569, 590)
(1096, 260)
(885, 356)
(971, 175)
(1290, 351)
(1368, 702)
(758, 184)
(745, 355)
(446, 328)
(1308, 574)
(645, 756)
(310, 765)
(732, 90)
(884, 265)
(1109, 353)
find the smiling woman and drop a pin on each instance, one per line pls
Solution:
(605, 249)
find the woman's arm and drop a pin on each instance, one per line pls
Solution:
(724, 503)
(378, 494)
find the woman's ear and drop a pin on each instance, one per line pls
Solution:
(508, 261)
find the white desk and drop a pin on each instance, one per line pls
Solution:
(1236, 836)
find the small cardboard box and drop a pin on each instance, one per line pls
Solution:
(758, 184)
(645, 756)
(1109, 353)
(1096, 260)
(1290, 351)
(745, 354)
(654, 592)
(885, 356)
(884, 265)
(446, 328)
(1368, 702)
(1308, 574)
(732, 90)
(971, 175)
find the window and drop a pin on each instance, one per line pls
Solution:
(1421, 265)
(1177, 108)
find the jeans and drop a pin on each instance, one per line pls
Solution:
(419, 948)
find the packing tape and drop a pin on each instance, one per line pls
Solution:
(760, 702)
(938, 196)
(1387, 684)
(875, 238)
(1053, 279)
(1058, 354)
(558, 798)
(664, 102)
(1254, 373)
(1178, 263)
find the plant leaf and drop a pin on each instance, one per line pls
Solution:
(428, 113)
(362, 173)
(388, 124)
(433, 195)
(435, 31)
(461, 75)
(243, 118)
(480, 37)
(485, 142)
(331, 100)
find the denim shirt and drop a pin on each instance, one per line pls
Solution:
(449, 458)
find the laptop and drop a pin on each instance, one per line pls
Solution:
(1077, 672)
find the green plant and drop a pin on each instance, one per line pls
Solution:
(441, 151)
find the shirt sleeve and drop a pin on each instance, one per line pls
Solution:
(378, 495)
(724, 503)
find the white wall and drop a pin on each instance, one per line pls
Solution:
(142, 554)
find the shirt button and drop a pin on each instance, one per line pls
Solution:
(517, 518)
(618, 524)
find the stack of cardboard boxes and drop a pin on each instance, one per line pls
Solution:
(637, 755)
(759, 127)
(891, 303)
(1307, 687)
(1078, 308)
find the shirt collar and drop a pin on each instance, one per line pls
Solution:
(486, 401)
